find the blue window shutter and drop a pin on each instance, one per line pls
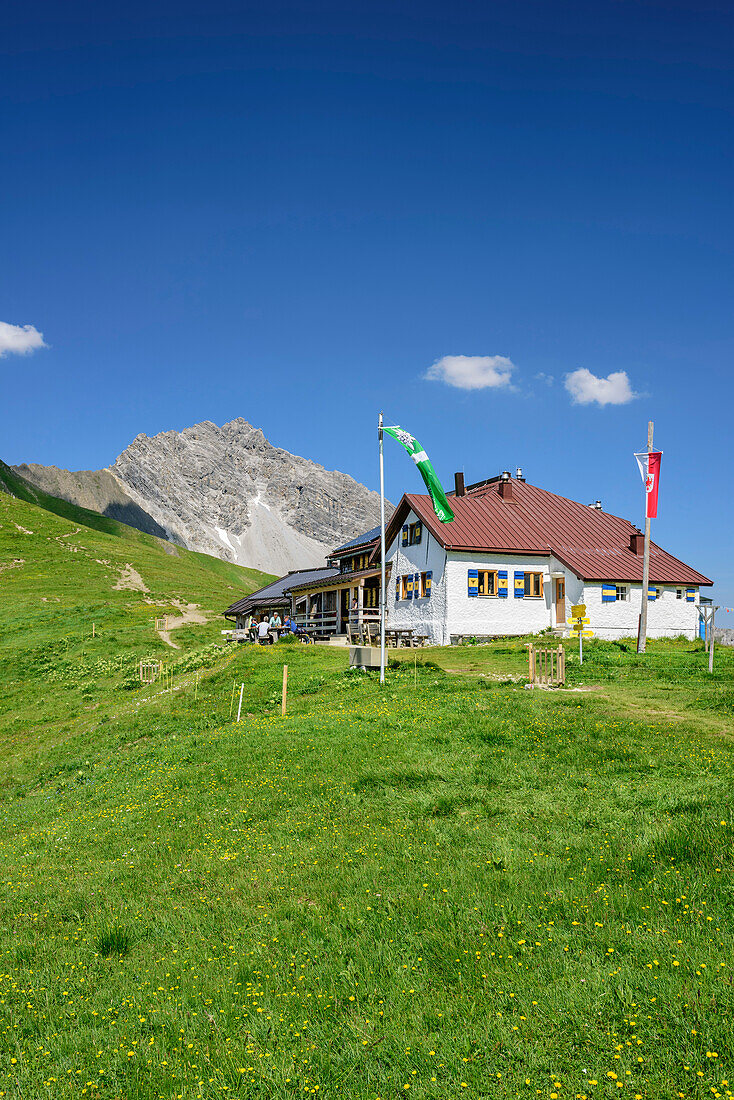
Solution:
(417, 585)
(651, 592)
(397, 588)
(410, 586)
(472, 581)
(429, 580)
(519, 584)
(405, 535)
(690, 595)
(502, 583)
(608, 593)
(418, 532)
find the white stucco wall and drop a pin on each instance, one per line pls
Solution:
(425, 615)
(451, 610)
(496, 614)
(667, 617)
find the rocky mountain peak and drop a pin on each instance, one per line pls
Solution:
(225, 491)
(228, 491)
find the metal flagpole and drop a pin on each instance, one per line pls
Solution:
(383, 593)
(642, 637)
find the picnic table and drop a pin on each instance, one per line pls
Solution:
(399, 635)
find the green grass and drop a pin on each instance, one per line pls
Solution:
(447, 886)
(70, 637)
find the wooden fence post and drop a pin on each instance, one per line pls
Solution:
(284, 699)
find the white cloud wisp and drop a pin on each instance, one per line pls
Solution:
(19, 339)
(472, 372)
(586, 389)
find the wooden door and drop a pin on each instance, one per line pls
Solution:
(560, 602)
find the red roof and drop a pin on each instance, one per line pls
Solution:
(594, 544)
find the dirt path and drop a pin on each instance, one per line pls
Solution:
(190, 613)
(131, 579)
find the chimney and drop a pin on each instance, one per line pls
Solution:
(518, 474)
(506, 485)
(637, 542)
(459, 489)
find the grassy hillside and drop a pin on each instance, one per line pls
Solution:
(66, 574)
(449, 886)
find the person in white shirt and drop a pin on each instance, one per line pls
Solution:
(263, 632)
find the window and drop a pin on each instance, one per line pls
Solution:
(658, 593)
(370, 596)
(621, 590)
(406, 586)
(425, 584)
(487, 582)
(355, 564)
(533, 584)
(415, 533)
(679, 593)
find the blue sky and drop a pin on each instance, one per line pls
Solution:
(290, 212)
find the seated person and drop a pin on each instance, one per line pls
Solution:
(264, 636)
(290, 625)
(275, 620)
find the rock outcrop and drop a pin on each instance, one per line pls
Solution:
(224, 491)
(98, 490)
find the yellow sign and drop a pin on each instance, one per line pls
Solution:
(578, 609)
(578, 620)
(581, 633)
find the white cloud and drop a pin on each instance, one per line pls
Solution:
(19, 339)
(586, 389)
(541, 376)
(472, 372)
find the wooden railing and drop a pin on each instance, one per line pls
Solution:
(321, 622)
(328, 622)
(546, 666)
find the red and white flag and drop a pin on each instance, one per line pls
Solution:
(649, 463)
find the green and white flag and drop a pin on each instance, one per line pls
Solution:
(427, 472)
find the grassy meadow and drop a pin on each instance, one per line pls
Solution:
(449, 886)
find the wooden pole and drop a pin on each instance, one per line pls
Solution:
(239, 708)
(711, 642)
(196, 689)
(231, 701)
(284, 698)
(92, 629)
(642, 637)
